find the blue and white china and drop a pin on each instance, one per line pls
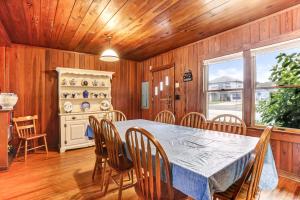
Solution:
(85, 106)
(85, 94)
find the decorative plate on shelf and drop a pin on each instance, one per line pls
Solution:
(72, 82)
(105, 105)
(85, 106)
(68, 106)
(84, 83)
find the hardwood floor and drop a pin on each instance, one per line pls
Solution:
(69, 176)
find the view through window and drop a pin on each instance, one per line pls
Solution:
(277, 93)
(225, 87)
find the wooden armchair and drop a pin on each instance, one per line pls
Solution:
(116, 115)
(165, 116)
(26, 129)
(194, 120)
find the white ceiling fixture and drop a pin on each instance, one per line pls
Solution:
(109, 55)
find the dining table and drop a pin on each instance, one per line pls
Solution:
(204, 161)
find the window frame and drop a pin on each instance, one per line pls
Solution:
(206, 91)
(264, 50)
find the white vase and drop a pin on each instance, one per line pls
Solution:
(8, 100)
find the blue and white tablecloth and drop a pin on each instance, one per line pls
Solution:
(204, 161)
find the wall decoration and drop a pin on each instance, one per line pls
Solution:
(188, 76)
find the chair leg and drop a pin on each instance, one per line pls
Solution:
(34, 144)
(131, 176)
(103, 170)
(107, 181)
(25, 153)
(95, 168)
(120, 187)
(46, 146)
(19, 147)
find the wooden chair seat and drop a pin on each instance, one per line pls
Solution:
(125, 164)
(229, 193)
(31, 137)
(164, 191)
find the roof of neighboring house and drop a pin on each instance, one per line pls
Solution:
(224, 79)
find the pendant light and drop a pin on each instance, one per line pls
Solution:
(109, 55)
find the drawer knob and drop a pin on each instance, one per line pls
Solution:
(73, 118)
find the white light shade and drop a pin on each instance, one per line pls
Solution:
(109, 55)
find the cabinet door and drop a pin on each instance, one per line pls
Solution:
(75, 132)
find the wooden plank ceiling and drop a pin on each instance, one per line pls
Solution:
(140, 28)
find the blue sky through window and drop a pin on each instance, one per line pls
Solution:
(230, 68)
(265, 62)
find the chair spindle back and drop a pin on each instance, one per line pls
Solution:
(165, 116)
(116, 115)
(228, 123)
(113, 143)
(147, 155)
(260, 150)
(194, 120)
(25, 126)
(98, 136)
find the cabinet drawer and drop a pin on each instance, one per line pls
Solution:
(74, 117)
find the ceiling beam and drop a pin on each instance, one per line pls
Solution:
(4, 37)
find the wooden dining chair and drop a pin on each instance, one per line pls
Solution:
(151, 164)
(165, 116)
(117, 158)
(246, 188)
(116, 115)
(26, 129)
(228, 123)
(194, 120)
(100, 150)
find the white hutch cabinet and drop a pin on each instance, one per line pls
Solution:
(81, 93)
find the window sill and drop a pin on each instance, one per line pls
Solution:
(279, 130)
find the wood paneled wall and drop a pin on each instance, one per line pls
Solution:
(278, 27)
(30, 73)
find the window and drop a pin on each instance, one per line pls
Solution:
(224, 83)
(277, 91)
